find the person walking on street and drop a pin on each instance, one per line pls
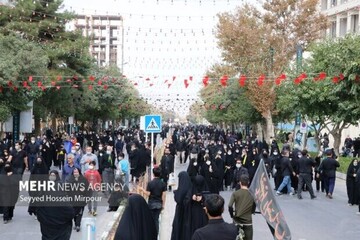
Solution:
(244, 208)
(328, 169)
(286, 170)
(305, 165)
(156, 191)
(216, 228)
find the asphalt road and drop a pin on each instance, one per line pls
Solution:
(318, 219)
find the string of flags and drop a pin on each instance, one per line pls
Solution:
(58, 82)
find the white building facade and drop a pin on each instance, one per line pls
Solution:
(106, 33)
(343, 16)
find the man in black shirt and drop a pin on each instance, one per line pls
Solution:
(305, 165)
(156, 191)
(216, 228)
(328, 169)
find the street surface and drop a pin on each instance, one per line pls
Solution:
(317, 219)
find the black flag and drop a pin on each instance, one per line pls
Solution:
(265, 200)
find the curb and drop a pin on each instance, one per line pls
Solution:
(110, 229)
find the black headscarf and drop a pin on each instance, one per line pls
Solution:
(184, 188)
(136, 222)
(199, 185)
(39, 168)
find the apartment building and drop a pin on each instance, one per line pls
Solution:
(106, 35)
(343, 16)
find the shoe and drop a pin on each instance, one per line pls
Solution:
(330, 196)
(313, 197)
(6, 221)
(278, 193)
(90, 212)
(94, 213)
(74, 227)
(108, 210)
(300, 197)
(292, 193)
(78, 229)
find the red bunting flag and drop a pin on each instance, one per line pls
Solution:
(321, 76)
(242, 80)
(186, 83)
(30, 78)
(223, 80)
(58, 87)
(341, 76)
(106, 87)
(75, 86)
(92, 78)
(173, 78)
(10, 83)
(25, 84)
(147, 79)
(1, 89)
(169, 85)
(58, 78)
(281, 78)
(165, 81)
(300, 78)
(206, 81)
(99, 82)
(15, 89)
(151, 84)
(261, 79)
(190, 78)
(90, 87)
(53, 83)
(336, 79)
(39, 84)
(135, 84)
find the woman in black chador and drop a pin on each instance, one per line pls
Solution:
(80, 191)
(198, 215)
(136, 223)
(350, 181)
(39, 173)
(182, 220)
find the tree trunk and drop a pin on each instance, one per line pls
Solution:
(337, 141)
(259, 132)
(269, 127)
(37, 125)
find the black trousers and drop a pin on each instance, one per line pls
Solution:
(155, 214)
(8, 212)
(78, 215)
(56, 232)
(305, 178)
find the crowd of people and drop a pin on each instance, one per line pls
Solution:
(216, 160)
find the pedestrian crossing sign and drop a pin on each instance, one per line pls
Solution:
(152, 123)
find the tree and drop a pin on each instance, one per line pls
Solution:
(18, 59)
(332, 100)
(262, 43)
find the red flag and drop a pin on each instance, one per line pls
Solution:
(242, 80)
(30, 78)
(190, 78)
(92, 78)
(223, 80)
(53, 83)
(39, 84)
(58, 78)
(186, 83)
(90, 87)
(106, 87)
(25, 84)
(169, 85)
(341, 76)
(261, 79)
(336, 79)
(206, 81)
(99, 82)
(147, 79)
(58, 87)
(173, 78)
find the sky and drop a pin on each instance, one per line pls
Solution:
(166, 42)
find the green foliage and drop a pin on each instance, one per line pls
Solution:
(18, 59)
(344, 164)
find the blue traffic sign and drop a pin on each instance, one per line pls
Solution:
(152, 123)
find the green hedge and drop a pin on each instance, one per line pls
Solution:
(344, 164)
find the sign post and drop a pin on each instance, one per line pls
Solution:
(152, 125)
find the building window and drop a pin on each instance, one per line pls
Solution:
(333, 3)
(354, 23)
(333, 29)
(324, 4)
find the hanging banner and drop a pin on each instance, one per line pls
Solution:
(265, 200)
